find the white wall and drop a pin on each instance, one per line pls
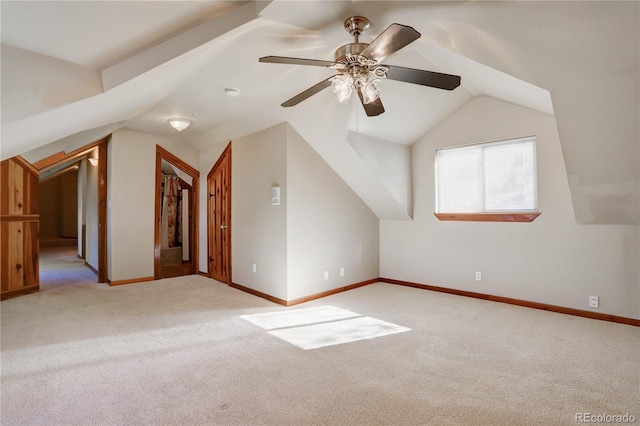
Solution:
(259, 229)
(552, 260)
(325, 129)
(33, 83)
(328, 226)
(391, 162)
(131, 200)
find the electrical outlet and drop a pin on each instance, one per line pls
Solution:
(478, 276)
(326, 275)
(594, 301)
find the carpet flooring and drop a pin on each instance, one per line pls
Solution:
(177, 351)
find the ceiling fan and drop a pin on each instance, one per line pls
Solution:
(359, 67)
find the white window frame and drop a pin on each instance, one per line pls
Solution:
(518, 213)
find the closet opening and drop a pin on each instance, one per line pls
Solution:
(176, 250)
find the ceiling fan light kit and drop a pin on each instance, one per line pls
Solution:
(360, 69)
(367, 83)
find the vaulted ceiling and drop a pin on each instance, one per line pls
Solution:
(85, 68)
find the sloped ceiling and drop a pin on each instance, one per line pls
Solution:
(577, 60)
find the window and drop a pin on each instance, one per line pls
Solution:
(494, 181)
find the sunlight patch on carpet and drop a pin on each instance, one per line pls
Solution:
(322, 326)
(338, 332)
(298, 317)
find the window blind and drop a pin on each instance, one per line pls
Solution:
(487, 178)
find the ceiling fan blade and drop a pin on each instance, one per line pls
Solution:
(307, 93)
(296, 61)
(425, 78)
(390, 41)
(372, 108)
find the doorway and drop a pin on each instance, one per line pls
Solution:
(176, 216)
(75, 185)
(219, 218)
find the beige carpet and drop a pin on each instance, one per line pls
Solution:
(176, 351)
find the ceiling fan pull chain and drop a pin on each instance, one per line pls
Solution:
(357, 118)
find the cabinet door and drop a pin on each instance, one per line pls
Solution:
(19, 227)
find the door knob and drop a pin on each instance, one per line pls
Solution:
(223, 226)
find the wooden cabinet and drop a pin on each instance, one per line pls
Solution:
(19, 227)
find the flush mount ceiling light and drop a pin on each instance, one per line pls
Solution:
(179, 123)
(230, 91)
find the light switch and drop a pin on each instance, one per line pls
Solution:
(275, 195)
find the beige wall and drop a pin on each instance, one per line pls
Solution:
(320, 224)
(131, 198)
(551, 260)
(328, 226)
(259, 229)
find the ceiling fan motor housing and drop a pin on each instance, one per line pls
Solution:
(348, 54)
(351, 49)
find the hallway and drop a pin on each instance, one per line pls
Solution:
(60, 268)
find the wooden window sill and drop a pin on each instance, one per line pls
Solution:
(488, 217)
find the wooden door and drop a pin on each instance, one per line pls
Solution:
(19, 227)
(219, 218)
